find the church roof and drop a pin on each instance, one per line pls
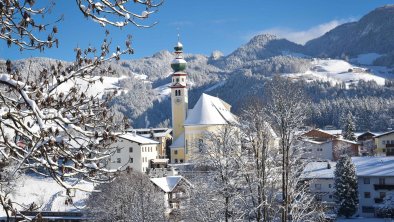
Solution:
(210, 110)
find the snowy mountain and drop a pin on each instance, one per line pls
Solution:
(373, 33)
(143, 83)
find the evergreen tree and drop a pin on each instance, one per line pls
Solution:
(349, 127)
(346, 194)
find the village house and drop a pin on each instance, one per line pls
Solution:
(135, 151)
(175, 190)
(327, 145)
(375, 182)
(384, 144)
(161, 135)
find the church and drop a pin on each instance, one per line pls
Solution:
(189, 125)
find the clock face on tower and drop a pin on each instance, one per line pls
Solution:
(178, 100)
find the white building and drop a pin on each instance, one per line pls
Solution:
(375, 181)
(318, 150)
(321, 177)
(134, 151)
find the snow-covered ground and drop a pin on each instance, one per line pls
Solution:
(47, 194)
(340, 71)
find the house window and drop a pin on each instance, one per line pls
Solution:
(382, 181)
(319, 149)
(176, 152)
(176, 160)
(131, 160)
(382, 195)
(131, 149)
(183, 79)
(383, 142)
(318, 186)
(330, 196)
(392, 141)
(367, 181)
(118, 160)
(318, 198)
(177, 79)
(329, 185)
(383, 150)
(367, 194)
(118, 150)
(181, 160)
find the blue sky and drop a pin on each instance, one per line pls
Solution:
(204, 25)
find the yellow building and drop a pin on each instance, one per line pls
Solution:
(189, 126)
(384, 144)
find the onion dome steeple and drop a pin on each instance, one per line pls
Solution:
(178, 64)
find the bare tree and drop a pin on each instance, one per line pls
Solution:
(130, 197)
(285, 108)
(23, 24)
(215, 196)
(49, 123)
(260, 169)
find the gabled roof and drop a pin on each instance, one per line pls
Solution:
(168, 184)
(384, 134)
(314, 170)
(136, 138)
(210, 110)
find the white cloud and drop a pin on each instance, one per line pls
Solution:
(302, 36)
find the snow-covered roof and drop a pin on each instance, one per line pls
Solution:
(332, 132)
(365, 167)
(167, 184)
(320, 170)
(137, 138)
(179, 142)
(316, 142)
(374, 166)
(210, 110)
(384, 134)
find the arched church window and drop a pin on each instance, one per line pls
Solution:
(179, 92)
(177, 79)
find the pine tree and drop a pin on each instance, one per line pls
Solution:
(349, 127)
(346, 194)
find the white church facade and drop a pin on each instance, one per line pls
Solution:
(189, 126)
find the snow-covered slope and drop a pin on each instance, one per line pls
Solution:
(47, 194)
(338, 71)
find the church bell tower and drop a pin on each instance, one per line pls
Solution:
(179, 96)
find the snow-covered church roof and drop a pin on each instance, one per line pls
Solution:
(210, 110)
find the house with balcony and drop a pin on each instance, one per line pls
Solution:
(375, 181)
(175, 190)
(327, 145)
(384, 144)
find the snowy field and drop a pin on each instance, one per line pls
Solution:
(339, 71)
(47, 194)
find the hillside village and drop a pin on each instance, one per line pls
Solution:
(276, 130)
